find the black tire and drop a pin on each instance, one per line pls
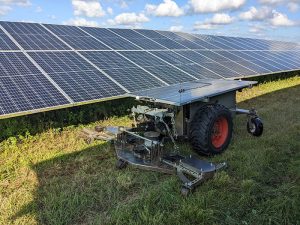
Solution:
(203, 126)
(255, 126)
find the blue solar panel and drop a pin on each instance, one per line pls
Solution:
(109, 38)
(250, 57)
(6, 43)
(122, 70)
(138, 39)
(244, 62)
(186, 65)
(181, 40)
(195, 39)
(285, 64)
(76, 77)
(213, 41)
(291, 57)
(162, 40)
(76, 38)
(32, 36)
(23, 87)
(157, 67)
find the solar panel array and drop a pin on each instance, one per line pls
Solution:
(45, 66)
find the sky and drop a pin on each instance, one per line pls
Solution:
(267, 19)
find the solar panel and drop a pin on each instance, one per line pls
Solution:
(6, 43)
(286, 64)
(186, 65)
(23, 87)
(195, 39)
(76, 38)
(162, 40)
(291, 57)
(138, 39)
(180, 40)
(122, 70)
(157, 67)
(59, 66)
(213, 41)
(249, 64)
(110, 39)
(248, 55)
(76, 77)
(33, 36)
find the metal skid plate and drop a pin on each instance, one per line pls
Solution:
(184, 93)
(129, 157)
(198, 165)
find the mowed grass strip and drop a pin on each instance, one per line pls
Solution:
(56, 178)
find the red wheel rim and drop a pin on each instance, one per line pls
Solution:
(219, 132)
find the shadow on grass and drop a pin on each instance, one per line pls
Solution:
(85, 186)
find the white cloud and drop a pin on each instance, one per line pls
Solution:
(81, 22)
(214, 22)
(89, 8)
(166, 8)
(268, 16)
(256, 14)
(176, 28)
(110, 11)
(15, 2)
(293, 6)
(4, 9)
(209, 6)
(129, 19)
(280, 19)
(221, 18)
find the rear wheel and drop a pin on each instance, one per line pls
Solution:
(211, 129)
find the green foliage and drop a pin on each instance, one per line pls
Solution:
(37, 123)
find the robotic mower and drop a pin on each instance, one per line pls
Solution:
(199, 112)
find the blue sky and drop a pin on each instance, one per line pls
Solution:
(271, 19)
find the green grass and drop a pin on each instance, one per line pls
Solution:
(56, 178)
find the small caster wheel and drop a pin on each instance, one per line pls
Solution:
(255, 126)
(121, 164)
(185, 191)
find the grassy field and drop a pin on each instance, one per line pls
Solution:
(56, 178)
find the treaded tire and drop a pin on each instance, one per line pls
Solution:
(201, 129)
